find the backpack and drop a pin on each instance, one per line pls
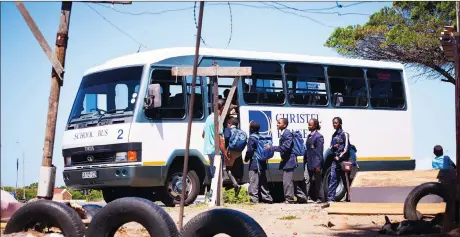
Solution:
(261, 153)
(299, 146)
(238, 140)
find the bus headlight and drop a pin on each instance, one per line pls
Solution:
(68, 161)
(121, 157)
(129, 156)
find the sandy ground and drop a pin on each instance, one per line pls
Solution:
(283, 220)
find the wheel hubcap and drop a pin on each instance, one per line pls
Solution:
(175, 186)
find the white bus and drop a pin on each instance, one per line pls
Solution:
(112, 143)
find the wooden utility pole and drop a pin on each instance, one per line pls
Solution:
(190, 115)
(47, 170)
(457, 98)
(212, 72)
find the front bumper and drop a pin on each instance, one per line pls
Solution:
(120, 176)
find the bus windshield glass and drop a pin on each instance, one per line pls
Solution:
(108, 92)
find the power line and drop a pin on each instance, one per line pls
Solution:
(196, 24)
(231, 25)
(116, 27)
(318, 11)
(309, 11)
(303, 16)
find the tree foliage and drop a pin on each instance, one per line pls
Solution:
(407, 33)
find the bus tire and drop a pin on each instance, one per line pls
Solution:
(171, 195)
(152, 217)
(342, 189)
(47, 213)
(222, 221)
(422, 190)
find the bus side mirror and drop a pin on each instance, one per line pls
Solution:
(153, 99)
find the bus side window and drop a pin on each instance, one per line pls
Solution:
(265, 86)
(306, 84)
(386, 88)
(198, 111)
(347, 86)
(172, 95)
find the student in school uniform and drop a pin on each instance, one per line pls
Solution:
(288, 164)
(258, 185)
(313, 159)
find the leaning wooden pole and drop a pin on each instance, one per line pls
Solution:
(457, 98)
(190, 117)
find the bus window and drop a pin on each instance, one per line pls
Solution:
(198, 105)
(386, 88)
(172, 95)
(306, 84)
(265, 86)
(347, 86)
(224, 84)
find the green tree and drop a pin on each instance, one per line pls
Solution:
(33, 185)
(407, 33)
(95, 195)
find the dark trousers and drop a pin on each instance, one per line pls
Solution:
(290, 187)
(258, 187)
(230, 176)
(336, 173)
(309, 175)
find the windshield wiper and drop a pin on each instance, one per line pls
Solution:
(110, 112)
(79, 116)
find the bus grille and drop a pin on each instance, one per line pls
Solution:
(97, 158)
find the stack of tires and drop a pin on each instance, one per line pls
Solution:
(107, 220)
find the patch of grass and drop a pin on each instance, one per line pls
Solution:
(242, 198)
(289, 218)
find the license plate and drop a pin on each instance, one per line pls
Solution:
(89, 174)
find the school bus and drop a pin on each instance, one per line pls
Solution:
(113, 143)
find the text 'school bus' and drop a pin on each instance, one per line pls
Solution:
(111, 142)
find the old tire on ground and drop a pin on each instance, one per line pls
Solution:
(131, 209)
(341, 190)
(46, 213)
(222, 221)
(171, 195)
(422, 190)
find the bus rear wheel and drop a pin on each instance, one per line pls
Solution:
(173, 188)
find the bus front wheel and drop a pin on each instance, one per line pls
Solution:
(173, 187)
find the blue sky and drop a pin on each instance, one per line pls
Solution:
(25, 70)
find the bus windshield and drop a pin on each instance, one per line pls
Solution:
(106, 92)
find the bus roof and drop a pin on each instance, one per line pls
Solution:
(153, 56)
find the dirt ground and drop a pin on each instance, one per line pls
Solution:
(287, 220)
(283, 220)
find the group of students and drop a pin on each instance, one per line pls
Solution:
(289, 145)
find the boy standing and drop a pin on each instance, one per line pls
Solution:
(288, 163)
(441, 162)
(257, 169)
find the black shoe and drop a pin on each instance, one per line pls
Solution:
(268, 202)
(237, 191)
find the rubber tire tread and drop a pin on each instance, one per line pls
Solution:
(170, 202)
(222, 221)
(54, 214)
(325, 186)
(422, 190)
(132, 209)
